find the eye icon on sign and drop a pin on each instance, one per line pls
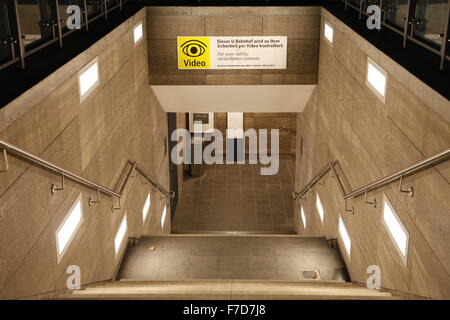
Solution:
(193, 48)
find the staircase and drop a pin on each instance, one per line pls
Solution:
(227, 290)
(222, 267)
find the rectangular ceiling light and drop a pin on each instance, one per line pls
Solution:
(163, 217)
(303, 217)
(138, 32)
(69, 227)
(319, 207)
(344, 236)
(88, 78)
(395, 228)
(120, 235)
(146, 207)
(328, 32)
(376, 79)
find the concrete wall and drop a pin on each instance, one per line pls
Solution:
(120, 120)
(299, 24)
(345, 121)
(285, 122)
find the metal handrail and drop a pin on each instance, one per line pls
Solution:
(9, 148)
(399, 175)
(59, 34)
(442, 52)
(153, 181)
(22, 53)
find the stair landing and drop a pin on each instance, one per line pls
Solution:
(250, 257)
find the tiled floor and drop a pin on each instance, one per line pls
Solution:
(231, 257)
(236, 197)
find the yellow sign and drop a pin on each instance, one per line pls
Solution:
(193, 53)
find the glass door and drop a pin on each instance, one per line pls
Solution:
(430, 17)
(37, 22)
(395, 12)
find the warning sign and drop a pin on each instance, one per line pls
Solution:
(193, 53)
(262, 52)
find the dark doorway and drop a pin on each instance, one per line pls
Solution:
(173, 168)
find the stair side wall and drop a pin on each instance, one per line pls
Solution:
(345, 121)
(120, 120)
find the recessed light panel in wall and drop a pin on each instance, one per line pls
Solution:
(319, 207)
(120, 235)
(68, 228)
(146, 207)
(163, 216)
(328, 32)
(395, 228)
(345, 237)
(302, 212)
(88, 78)
(138, 32)
(376, 79)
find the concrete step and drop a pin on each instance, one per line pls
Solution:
(255, 257)
(126, 282)
(227, 289)
(255, 234)
(235, 233)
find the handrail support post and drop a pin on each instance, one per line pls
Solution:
(409, 190)
(54, 188)
(116, 208)
(374, 202)
(352, 210)
(91, 202)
